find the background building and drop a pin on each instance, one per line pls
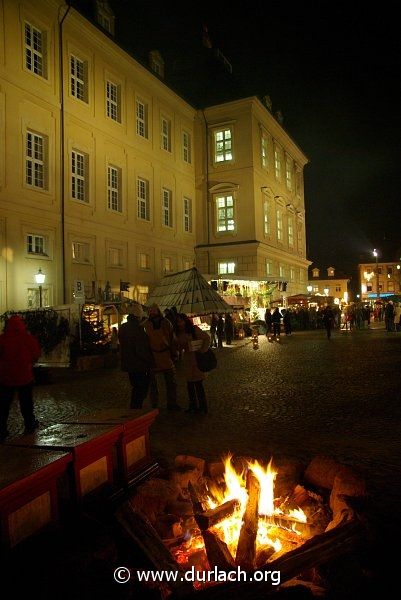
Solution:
(108, 176)
(331, 283)
(379, 280)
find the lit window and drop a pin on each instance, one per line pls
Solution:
(264, 150)
(290, 231)
(167, 264)
(35, 50)
(188, 215)
(78, 78)
(36, 244)
(223, 145)
(143, 292)
(186, 264)
(288, 173)
(144, 262)
(279, 217)
(112, 101)
(141, 119)
(165, 134)
(282, 271)
(113, 189)
(78, 176)
(80, 252)
(338, 288)
(115, 257)
(143, 199)
(225, 213)
(277, 163)
(292, 274)
(269, 268)
(186, 147)
(390, 286)
(35, 160)
(167, 217)
(266, 217)
(225, 268)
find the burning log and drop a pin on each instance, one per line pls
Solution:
(196, 503)
(211, 517)
(143, 534)
(287, 522)
(246, 548)
(217, 552)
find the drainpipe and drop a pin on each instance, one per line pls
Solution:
(62, 153)
(207, 191)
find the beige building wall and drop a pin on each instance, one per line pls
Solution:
(379, 280)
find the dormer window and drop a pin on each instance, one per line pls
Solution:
(105, 16)
(315, 273)
(156, 63)
(330, 272)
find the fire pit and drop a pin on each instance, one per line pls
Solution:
(270, 523)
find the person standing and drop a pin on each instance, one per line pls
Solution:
(220, 331)
(287, 322)
(328, 320)
(188, 335)
(213, 329)
(228, 329)
(276, 319)
(136, 356)
(268, 321)
(163, 344)
(19, 350)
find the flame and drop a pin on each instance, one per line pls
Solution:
(266, 477)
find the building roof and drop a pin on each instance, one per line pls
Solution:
(189, 292)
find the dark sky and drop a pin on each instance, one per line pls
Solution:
(334, 72)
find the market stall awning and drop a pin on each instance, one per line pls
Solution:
(189, 292)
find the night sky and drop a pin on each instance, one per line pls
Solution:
(335, 75)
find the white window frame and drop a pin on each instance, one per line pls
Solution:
(281, 271)
(292, 274)
(36, 160)
(266, 217)
(36, 244)
(79, 176)
(143, 201)
(269, 267)
(290, 228)
(167, 264)
(80, 252)
(114, 189)
(277, 163)
(167, 208)
(113, 101)
(226, 267)
(279, 222)
(288, 173)
(35, 50)
(165, 134)
(225, 213)
(115, 256)
(141, 111)
(143, 261)
(223, 145)
(186, 147)
(264, 150)
(187, 213)
(78, 78)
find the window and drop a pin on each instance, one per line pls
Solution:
(167, 217)
(79, 163)
(186, 147)
(299, 235)
(292, 274)
(298, 182)
(113, 101)
(282, 271)
(390, 286)
(187, 264)
(188, 215)
(156, 62)
(36, 244)
(279, 217)
(288, 173)
(143, 292)
(390, 270)
(78, 78)
(35, 51)
(316, 289)
(338, 288)
(224, 268)
(165, 134)
(115, 257)
(225, 213)
(264, 150)
(167, 264)
(142, 119)
(105, 16)
(379, 270)
(143, 199)
(290, 231)
(266, 217)
(33, 297)
(223, 145)
(143, 261)
(35, 160)
(113, 189)
(269, 268)
(80, 252)
(277, 163)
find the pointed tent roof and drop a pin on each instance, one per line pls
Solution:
(189, 292)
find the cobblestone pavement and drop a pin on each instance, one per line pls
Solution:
(301, 397)
(298, 398)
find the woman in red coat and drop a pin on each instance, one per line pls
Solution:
(19, 350)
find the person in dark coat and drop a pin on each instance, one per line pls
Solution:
(268, 321)
(328, 320)
(213, 330)
(276, 319)
(220, 331)
(136, 355)
(287, 322)
(228, 329)
(19, 350)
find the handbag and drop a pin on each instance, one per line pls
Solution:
(206, 361)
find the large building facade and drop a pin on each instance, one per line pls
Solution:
(107, 175)
(379, 280)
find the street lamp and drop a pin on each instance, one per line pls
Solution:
(40, 279)
(375, 254)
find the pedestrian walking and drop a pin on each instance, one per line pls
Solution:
(163, 344)
(136, 355)
(191, 339)
(328, 320)
(19, 350)
(220, 331)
